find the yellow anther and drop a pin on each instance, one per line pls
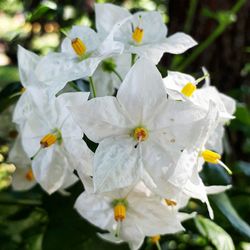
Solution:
(119, 212)
(29, 176)
(210, 156)
(188, 89)
(78, 46)
(155, 239)
(140, 134)
(22, 90)
(170, 202)
(48, 140)
(138, 35)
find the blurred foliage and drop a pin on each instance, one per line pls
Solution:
(34, 221)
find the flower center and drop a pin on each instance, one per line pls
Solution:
(29, 175)
(155, 239)
(188, 89)
(120, 212)
(78, 46)
(170, 202)
(140, 134)
(48, 140)
(138, 35)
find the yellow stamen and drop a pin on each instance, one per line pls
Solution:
(138, 35)
(120, 212)
(78, 46)
(22, 90)
(188, 89)
(140, 134)
(48, 140)
(30, 176)
(210, 156)
(170, 202)
(214, 158)
(155, 239)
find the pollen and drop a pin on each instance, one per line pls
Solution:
(119, 212)
(78, 46)
(210, 156)
(155, 239)
(171, 203)
(29, 176)
(188, 89)
(138, 35)
(140, 134)
(48, 140)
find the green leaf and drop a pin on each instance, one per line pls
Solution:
(8, 74)
(218, 236)
(242, 114)
(223, 203)
(41, 10)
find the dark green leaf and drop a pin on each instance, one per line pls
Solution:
(223, 203)
(218, 236)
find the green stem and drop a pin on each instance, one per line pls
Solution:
(74, 86)
(92, 86)
(158, 245)
(217, 32)
(190, 16)
(117, 74)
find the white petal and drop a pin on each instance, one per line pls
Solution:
(50, 168)
(217, 189)
(177, 80)
(27, 61)
(110, 237)
(19, 181)
(115, 164)
(62, 67)
(178, 43)
(102, 117)
(229, 102)
(101, 212)
(88, 36)
(153, 217)
(142, 91)
(132, 234)
(107, 15)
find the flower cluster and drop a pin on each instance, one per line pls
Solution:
(154, 134)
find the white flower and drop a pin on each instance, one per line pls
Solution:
(128, 214)
(23, 178)
(140, 131)
(183, 87)
(54, 142)
(110, 73)
(34, 93)
(81, 52)
(143, 33)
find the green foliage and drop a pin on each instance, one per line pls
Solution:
(220, 238)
